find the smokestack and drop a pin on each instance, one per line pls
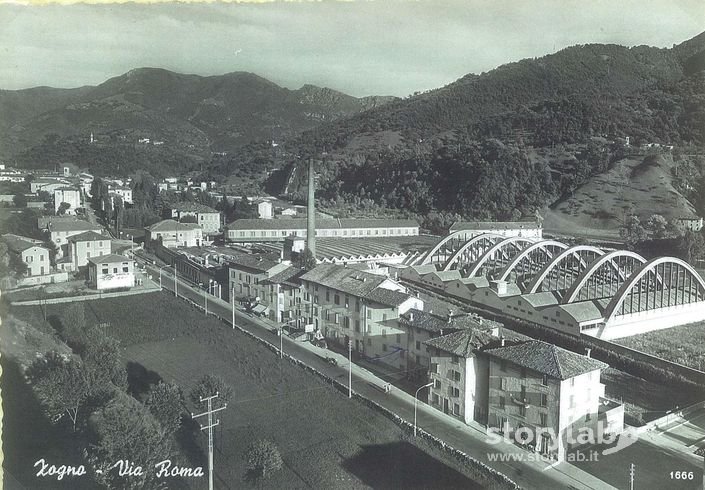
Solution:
(588, 351)
(311, 212)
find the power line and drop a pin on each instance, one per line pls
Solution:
(209, 428)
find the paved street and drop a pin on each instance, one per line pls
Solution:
(467, 439)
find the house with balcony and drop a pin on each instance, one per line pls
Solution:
(346, 304)
(545, 395)
(266, 282)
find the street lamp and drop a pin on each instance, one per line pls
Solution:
(416, 399)
(349, 368)
(281, 342)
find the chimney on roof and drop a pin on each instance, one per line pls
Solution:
(588, 350)
(450, 316)
(501, 341)
(311, 211)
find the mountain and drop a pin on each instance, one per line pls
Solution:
(535, 129)
(217, 113)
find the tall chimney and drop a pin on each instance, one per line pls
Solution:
(311, 211)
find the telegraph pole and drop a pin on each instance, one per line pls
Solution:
(232, 298)
(349, 368)
(176, 282)
(209, 427)
(631, 476)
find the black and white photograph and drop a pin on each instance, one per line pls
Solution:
(392, 244)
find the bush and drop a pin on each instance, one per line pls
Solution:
(263, 457)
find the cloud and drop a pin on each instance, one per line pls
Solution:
(390, 47)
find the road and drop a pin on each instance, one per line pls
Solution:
(463, 437)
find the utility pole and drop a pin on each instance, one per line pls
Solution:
(176, 283)
(349, 368)
(631, 476)
(232, 298)
(209, 427)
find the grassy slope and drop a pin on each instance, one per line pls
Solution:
(598, 207)
(326, 441)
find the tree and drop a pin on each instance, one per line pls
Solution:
(189, 218)
(305, 260)
(165, 402)
(60, 386)
(691, 246)
(209, 385)
(632, 231)
(63, 207)
(263, 457)
(657, 226)
(125, 429)
(20, 200)
(103, 362)
(74, 326)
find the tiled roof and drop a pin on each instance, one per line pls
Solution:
(432, 322)
(194, 207)
(88, 236)
(287, 276)
(345, 279)
(463, 342)
(109, 259)
(172, 225)
(17, 243)
(387, 297)
(542, 298)
(493, 225)
(323, 224)
(548, 359)
(72, 225)
(258, 262)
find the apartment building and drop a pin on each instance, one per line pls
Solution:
(61, 229)
(69, 195)
(539, 389)
(85, 245)
(29, 251)
(111, 271)
(272, 284)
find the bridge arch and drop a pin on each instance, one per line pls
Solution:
(472, 250)
(622, 263)
(583, 254)
(677, 276)
(544, 246)
(498, 247)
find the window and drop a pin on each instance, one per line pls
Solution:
(502, 383)
(336, 299)
(572, 382)
(437, 384)
(384, 333)
(435, 399)
(337, 319)
(384, 317)
(327, 295)
(125, 269)
(434, 368)
(543, 420)
(455, 360)
(456, 409)
(544, 380)
(115, 270)
(502, 402)
(544, 400)
(346, 322)
(587, 417)
(104, 270)
(357, 325)
(522, 410)
(369, 314)
(418, 345)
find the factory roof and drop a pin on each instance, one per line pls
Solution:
(322, 224)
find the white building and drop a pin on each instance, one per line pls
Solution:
(265, 210)
(174, 234)
(110, 272)
(124, 192)
(84, 246)
(69, 195)
(206, 217)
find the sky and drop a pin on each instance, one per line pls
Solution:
(386, 47)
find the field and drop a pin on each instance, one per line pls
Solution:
(326, 440)
(684, 344)
(597, 208)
